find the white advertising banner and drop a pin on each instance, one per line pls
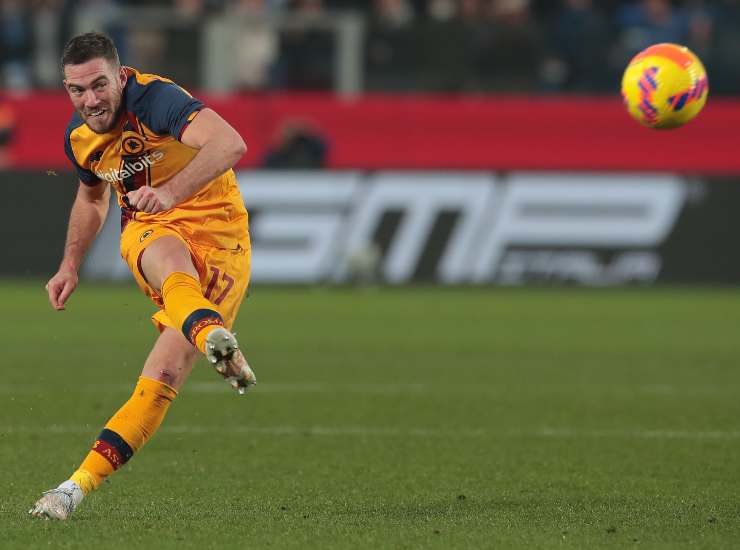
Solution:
(447, 227)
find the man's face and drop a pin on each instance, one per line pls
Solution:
(96, 88)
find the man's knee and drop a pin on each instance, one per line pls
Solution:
(176, 365)
(167, 376)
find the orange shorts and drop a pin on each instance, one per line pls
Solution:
(224, 273)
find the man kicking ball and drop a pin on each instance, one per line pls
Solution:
(184, 235)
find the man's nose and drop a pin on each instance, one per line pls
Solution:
(91, 99)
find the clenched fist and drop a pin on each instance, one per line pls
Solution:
(150, 199)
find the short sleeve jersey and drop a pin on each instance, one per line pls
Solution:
(144, 148)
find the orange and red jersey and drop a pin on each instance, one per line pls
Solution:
(144, 148)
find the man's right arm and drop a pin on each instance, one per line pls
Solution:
(88, 214)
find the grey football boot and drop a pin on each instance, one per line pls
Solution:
(222, 351)
(58, 503)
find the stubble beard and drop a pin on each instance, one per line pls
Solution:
(110, 112)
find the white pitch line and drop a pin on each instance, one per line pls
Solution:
(566, 433)
(392, 388)
(218, 387)
(365, 431)
(319, 387)
(357, 431)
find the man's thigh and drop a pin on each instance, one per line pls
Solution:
(224, 273)
(134, 241)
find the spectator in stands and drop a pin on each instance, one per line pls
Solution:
(701, 22)
(512, 57)
(446, 46)
(479, 31)
(471, 10)
(179, 44)
(714, 35)
(389, 46)
(442, 10)
(411, 45)
(299, 146)
(306, 51)
(16, 44)
(705, 27)
(189, 9)
(469, 38)
(276, 6)
(344, 5)
(96, 14)
(105, 15)
(307, 8)
(394, 13)
(729, 45)
(578, 49)
(649, 22)
(47, 30)
(256, 46)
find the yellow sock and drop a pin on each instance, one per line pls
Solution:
(185, 305)
(125, 433)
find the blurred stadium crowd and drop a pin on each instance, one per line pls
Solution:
(472, 46)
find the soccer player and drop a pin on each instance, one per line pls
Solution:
(184, 236)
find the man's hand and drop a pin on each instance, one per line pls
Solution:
(150, 199)
(60, 286)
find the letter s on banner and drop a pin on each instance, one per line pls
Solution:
(297, 222)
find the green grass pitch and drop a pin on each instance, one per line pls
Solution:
(390, 418)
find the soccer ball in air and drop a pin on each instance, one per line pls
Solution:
(665, 86)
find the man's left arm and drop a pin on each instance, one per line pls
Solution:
(220, 148)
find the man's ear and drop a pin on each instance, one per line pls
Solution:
(122, 76)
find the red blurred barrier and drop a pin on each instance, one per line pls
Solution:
(424, 132)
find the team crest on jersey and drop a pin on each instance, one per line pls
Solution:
(132, 143)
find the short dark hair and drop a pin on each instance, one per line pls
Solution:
(91, 45)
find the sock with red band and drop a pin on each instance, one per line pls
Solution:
(185, 304)
(125, 433)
